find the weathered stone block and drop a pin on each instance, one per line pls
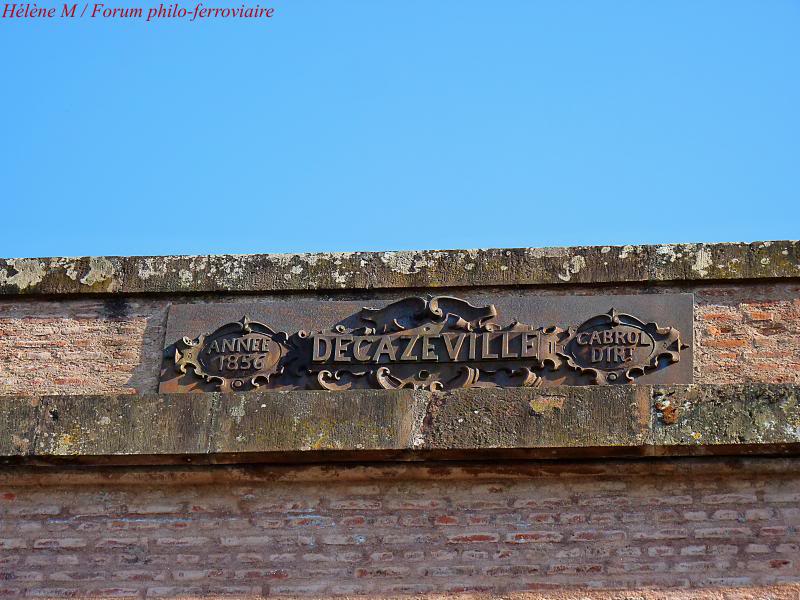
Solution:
(468, 424)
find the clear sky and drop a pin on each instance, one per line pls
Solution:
(378, 125)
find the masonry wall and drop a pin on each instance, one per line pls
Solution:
(677, 524)
(743, 332)
(415, 525)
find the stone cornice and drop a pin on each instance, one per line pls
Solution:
(406, 269)
(368, 425)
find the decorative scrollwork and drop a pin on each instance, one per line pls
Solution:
(615, 346)
(430, 343)
(237, 356)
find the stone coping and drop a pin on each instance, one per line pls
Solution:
(402, 425)
(406, 269)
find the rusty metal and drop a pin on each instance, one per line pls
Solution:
(433, 343)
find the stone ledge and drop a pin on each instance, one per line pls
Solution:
(471, 424)
(407, 269)
(181, 475)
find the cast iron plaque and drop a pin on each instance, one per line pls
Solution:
(429, 342)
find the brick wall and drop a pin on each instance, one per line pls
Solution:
(93, 345)
(698, 524)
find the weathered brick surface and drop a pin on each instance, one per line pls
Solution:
(750, 333)
(326, 531)
(84, 346)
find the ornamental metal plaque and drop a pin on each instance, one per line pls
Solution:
(429, 342)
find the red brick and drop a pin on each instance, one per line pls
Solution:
(661, 551)
(773, 531)
(381, 556)
(661, 534)
(361, 504)
(725, 515)
(723, 532)
(22, 576)
(52, 543)
(415, 520)
(730, 499)
(382, 572)
(120, 542)
(414, 539)
(574, 569)
(573, 518)
(543, 518)
(529, 537)
(156, 509)
(260, 574)
(720, 317)
(757, 315)
(184, 542)
(702, 566)
(420, 504)
(776, 564)
(726, 343)
(670, 500)
(759, 514)
(594, 534)
(140, 575)
(33, 510)
(695, 515)
(344, 540)
(309, 521)
(470, 538)
(247, 540)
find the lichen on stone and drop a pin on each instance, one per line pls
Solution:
(28, 272)
(101, 270)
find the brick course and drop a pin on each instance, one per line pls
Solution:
(306, 531)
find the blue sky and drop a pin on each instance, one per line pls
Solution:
(377, 125)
